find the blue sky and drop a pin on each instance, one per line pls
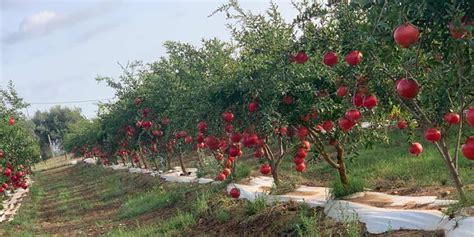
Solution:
(53, 50)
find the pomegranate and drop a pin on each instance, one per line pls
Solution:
(235, 137)
(259, 153)
(228, 128)
(7, 172)
(145, 112)
(165, 121)
(306, 145)
(330, 59)
(416, 149)
(353, 114)
(250, 140)
(300, 167)
(221, 177)
(253, 106)
(452, 118)
(235, 193)
(402, 124)
(303, 132)
(212, 142)
(227, 172)
(346, 124)
(202, 126)
(406, 35)
(2, 154)
(228, 116)
(470, 116)
(265, 169)
(370, 101)
(302, 153)
(353, 58)
(468, 148)
(287, 99)
(342, 91)
(328, 125)
(358, 99)
(407, 88)
(11, 121)
(300, 58)
(297, 160)
(5, 185)
(432, 135)
(234, 151)
(188, 140)
(458, 32)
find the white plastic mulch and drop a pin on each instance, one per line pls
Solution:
(13, 203)
(397, 212)
(378, 220)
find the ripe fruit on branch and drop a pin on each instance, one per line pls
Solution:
(228, 128)
(145, 112)
(250, 140)
(370, 101)
(346, 124)
(7, 172)
(287, 99)
(235, 193)
(265, 169)
(468, 148)
(2, 154)
(452, 118)
(227, 171)
(253, 106)
(234, 151)
(188, 140)
(221, 177)
(212, 142)
(302, 153)
(407, 88)
(342, 91)
(11, 121)
(470, 116)
(353, 58)
(300, 167)
(259, 153)
(353, 115)
(416, 148)
(402, 124)
(228, 116)
(432, 135)
(297, 160)
(303, 132)
(202, 126)
(306, 145)
(330, 59)
(406, 35)
(235, 137)
(300, 58)
(358, 99)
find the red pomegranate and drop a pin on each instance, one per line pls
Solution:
(234, 151)
(2, 154)
(470, 116)
(402, 124)
(202, 126)
(468, 148)
(353, 114)
(353, 58)
(212, 142)
(265, 169)
(330, 59)
(303, 132)
(406, 35)
(407, 88)
(253, 106)
(452, 118)
(300, 167)
(358, 99)
(235, 193)
(228, 116)
(346, 124)
(298, 160)
(259, 153)
(342, 91)
(302, 153)
(306, 145)
(370, 101)
(188, 140)
(328, 125)
(300, 58)
(416, 148)
(432, 135)
(221, 177)
(11, 121)
(287, 99)
(235, 137)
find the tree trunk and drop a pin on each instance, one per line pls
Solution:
(156, 164)
(144, 163)
(123, 161)
(181, 163)
(168, 162)
(342, 166)
(276, 178)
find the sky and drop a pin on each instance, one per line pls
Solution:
(53, 50)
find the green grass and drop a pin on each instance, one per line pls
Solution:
(339, 190)
(252, 208)
(146, 202)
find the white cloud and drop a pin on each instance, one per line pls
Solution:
(46, 22)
